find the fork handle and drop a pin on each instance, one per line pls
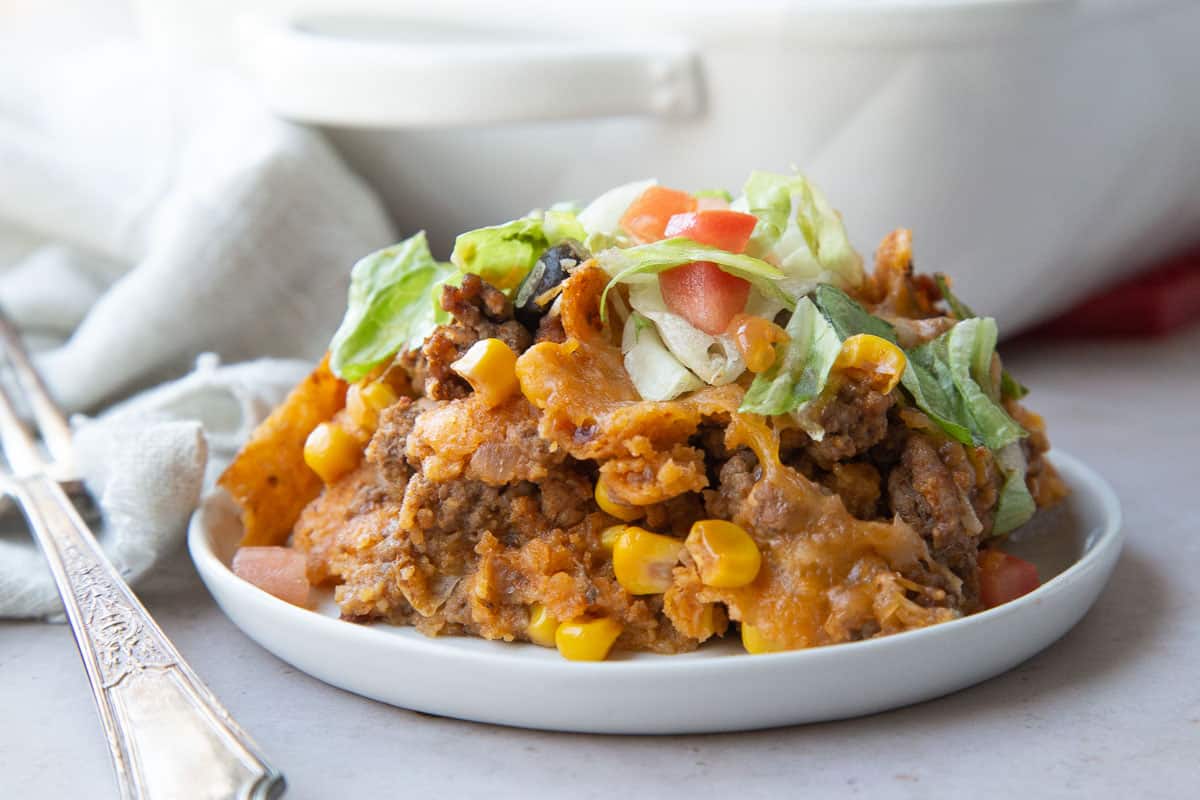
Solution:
(168, 735)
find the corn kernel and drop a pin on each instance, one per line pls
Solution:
(725, 555)
(331, 452)
(642, 561)
(490, 367)
(542, 626)
(364, 401)
(882, 362)
(609, 536)
(587, 640)
(611, 507)
(756, 338)
(755, 642)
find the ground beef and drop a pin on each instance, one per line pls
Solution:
(856, 420)
(327, 529)
(480, 311)
(858, 483)
(736, 478)
(386, 450)
(676, 516)
(933, 496)
(486, 312)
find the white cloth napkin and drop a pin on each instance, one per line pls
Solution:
(148, 215)
(146, 462)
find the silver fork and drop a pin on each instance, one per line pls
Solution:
(168, 735)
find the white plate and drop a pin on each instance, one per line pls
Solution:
(718, 688)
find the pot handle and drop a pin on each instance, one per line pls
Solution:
(456, 77)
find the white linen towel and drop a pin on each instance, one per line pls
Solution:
(147, 216)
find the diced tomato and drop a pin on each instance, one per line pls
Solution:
(277, 570)
(716, 227)
(647, 217)
(1003, 577)
(704, 295)
(701, 292)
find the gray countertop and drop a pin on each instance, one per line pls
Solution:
(1113, 709)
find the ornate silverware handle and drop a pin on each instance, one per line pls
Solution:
(170, 737)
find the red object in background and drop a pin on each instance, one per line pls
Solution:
(1153, 303)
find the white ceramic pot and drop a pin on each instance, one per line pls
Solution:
(1037, 148)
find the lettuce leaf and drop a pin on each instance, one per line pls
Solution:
(798, 230)
(714, 359)
(944, 378)
(632, 264)
(1010, 387)
(849, 318)
(656, 373)
(801, 367)
(503, 254)
(928, 380)
(969, 347)
(388, 307)
(1015, 505)
(560, 224)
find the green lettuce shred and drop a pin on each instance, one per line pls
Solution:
(1015, 505)
(387, 308)
(1010, 387)
(503, 254)
(801, 367)
(655, 371)
(848, 317)
(799, 230)
(968, 349)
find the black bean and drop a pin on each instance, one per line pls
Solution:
(552, 268)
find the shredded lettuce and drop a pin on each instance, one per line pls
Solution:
(969, 346)
(798, 230)
(656, 373)
(387, 308)
(1010, 387)
(1015, 505)
(848, 317)
(720, 193)
(801, 367)
(603, 215)
(927, 378)
(945, 377)
(714, 359)
(503, 254)
(561, 224)
(635, 264)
